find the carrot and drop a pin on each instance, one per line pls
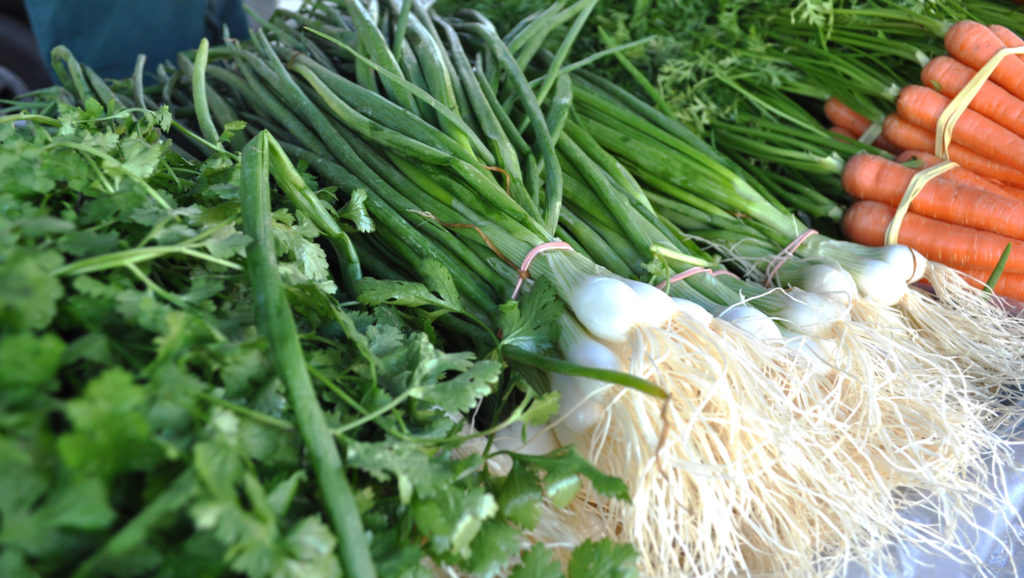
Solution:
(1008, 285)
(949, 76)
(908, 135)
(854, 122)
(842, 132)
(845, 117)
(960, 174)
(871, 177)
(923, 106)
(974, 44)
(1008, 37)
(957, 246)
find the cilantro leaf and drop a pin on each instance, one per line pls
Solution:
(140, 157)
(463, 391)
(541, 409)
(453, 519)
(520, 496)
(603, 559)
(80, 504)
(110, 433)
(531, 324)
(29, 290)
(493, 548)
(439, 279)
(18, 379)
(311, 547)
(217, 461)
(355, 211)
(413, 469)
(377, 292)
(563, 467)
(538, 562)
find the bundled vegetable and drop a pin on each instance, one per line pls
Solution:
(919, 331)
(975, 130)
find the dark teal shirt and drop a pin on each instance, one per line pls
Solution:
(107, 35)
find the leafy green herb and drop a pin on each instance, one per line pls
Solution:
(142, 425)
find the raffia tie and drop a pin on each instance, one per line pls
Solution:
(943, 138)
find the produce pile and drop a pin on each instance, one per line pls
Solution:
(386, 290)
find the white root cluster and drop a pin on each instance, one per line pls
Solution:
(978, 332)
(796, 454)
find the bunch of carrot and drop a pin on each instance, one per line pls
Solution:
(967, 216)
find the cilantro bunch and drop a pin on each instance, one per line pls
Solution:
(145, 429)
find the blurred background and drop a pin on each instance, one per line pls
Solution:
(108, 34)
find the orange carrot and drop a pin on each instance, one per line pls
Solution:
(957, 246)
(908, 135)
(973, 44)
(1009, 284)
(1008, 37)
(842, 132)
(871, 177)
(923, 106)
(949, 76)
(854, 122)
(845, 117)
(960, 174)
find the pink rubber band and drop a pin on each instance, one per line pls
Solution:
(524, 268)
(680, 276)
(779, 260)
(724, 272)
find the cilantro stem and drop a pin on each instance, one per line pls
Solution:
(247, 413)
(345, 397)
(276, 323)
(397, 401)
(36, 118)
(175, 496)
(155, 288)
(195, 137)
(137, 255)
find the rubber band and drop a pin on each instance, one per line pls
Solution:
(869, 135)
(959, 104)
(680, 276)
(725, 272)
(525, 267)
(916, 185)
(779, 260)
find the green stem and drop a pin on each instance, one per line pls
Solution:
(276, 323)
